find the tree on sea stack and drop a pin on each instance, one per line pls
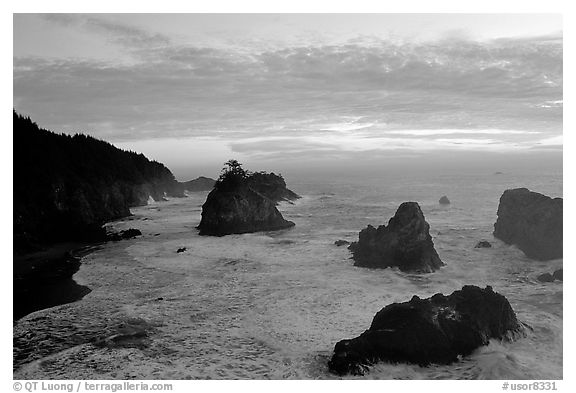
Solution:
(231, 176)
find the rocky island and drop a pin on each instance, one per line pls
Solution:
(531, 221)
(243, 202)
(405, 243)
(424, 331)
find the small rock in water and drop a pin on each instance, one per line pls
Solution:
(124, 235)
(181, 249)
(546, 277)
(483, 244)
(341, 242)
(444, 200)
(558, 274)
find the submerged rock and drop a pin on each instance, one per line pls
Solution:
(483, 244)
(558, 274)
(405, 242)
(341, 242)
(531, 221)
(181, 249)
(424, 331)
(444, 200)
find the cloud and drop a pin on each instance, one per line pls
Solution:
(119, 33)
(311, 98)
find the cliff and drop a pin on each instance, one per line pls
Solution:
(424, 331)
(531, 221)
(199, 184)
(241, 202)
(405, 243)
(66, 187)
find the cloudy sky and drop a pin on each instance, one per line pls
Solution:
(301, 92)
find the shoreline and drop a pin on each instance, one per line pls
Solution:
(44, 279)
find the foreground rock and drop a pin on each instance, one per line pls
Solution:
(239, 203)
(44, 279)
(444, 200)
(531, 221)
(405, 243)
(425, 331)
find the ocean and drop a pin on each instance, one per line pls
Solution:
(272, 305)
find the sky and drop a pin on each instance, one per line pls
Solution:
(301, 93)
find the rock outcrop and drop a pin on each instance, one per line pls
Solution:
(44, 279)
(123, 235)
(444, 200)
(405, 243)
(531, 221)
(240, 203)
(272, 186)
(558, 274)
(483, 244)
(547, 277)
(424, 331)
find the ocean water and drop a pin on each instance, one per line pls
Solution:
(272, 305)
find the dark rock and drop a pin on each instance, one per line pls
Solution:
(444, 200)
(239, 211)
(531, 221)
(341, 242)
(405, 243)
(44, 279)
(242, 202)
(424, 331)
(272, 186)
(546, 277)
(199, 184)
(483, 244)
(181, 249)
(124, 235)
(558, 274)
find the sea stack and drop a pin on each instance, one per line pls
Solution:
(405, 243)
(531, 221)
(239, 203)
(424, 331)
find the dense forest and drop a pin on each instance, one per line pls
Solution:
(66, 187)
